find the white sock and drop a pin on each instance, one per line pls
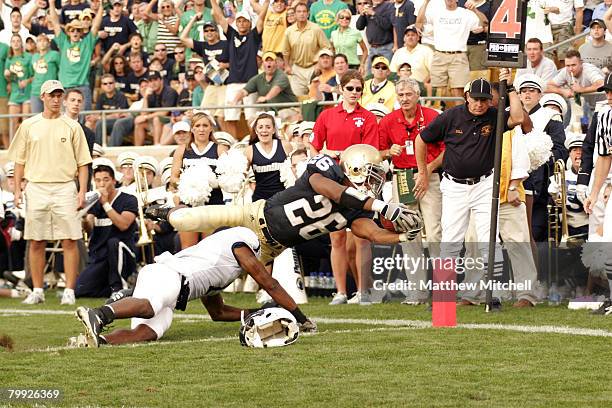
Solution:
(39, 290)
(69, 291)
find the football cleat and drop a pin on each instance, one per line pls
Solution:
(68, 299)
(34, 298)
(93, 324)
(496, 305)
(605, 309)
(118, 295)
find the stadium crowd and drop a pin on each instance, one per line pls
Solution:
(374, 58)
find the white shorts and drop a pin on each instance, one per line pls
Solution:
(234, 114)
(160, 285)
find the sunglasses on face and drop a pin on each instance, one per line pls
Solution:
(381, 67)
(179, 52)
(353, 88)
(344, 18)
(108, 83)
(210, 30)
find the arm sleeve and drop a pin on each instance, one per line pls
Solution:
(319, 133)
(123, 103)
(370, 132)
(282, 81)
(557, 134)
(361, 23)
(559, 79)
(588, 147)
(251, 86)
(81, 149)
(17, 148)
(520, 158)
(384, 140)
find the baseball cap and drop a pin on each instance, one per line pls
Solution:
(268, 54)
(189, 75)
(306, 127)
(9, 169)
(599, 21)
(98, 150)
(380, 59)
(607, 86)
(244, 15)
(154, 75)
(50, 86)
(412, 28)
(209, 24)
(529, 81)
(480, 88)
(116, 1)
(325, 51)
(181, 126)
(103, 161)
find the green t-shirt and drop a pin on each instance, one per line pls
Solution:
(149, 34)
(197, 96)
(75, 59)
(44, 67)
(3, 84)
(346, 43)
(259, 84)
(196, 32)
(20, 67)
(325, 15)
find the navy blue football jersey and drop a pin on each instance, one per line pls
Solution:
(299, 214)
(209, 155)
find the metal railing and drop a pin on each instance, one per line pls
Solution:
(568, 41)
(266, 106)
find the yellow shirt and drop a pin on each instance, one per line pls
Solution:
(273, 34)
(506, 170)
(301, 46)
(385, 95)
(50, 149)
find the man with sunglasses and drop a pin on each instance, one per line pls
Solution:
(379, 89)
(76, 51)
(116, 28)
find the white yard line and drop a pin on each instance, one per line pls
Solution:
(420, 324)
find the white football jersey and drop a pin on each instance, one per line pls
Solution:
(210, 265)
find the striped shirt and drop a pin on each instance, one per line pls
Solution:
(166, 37)
(603, 132)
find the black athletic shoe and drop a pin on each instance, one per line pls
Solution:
(118, 295)
(605, 309)
(93, 324)
(496, 305)
(157, 212)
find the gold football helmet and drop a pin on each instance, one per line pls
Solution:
(361, 164)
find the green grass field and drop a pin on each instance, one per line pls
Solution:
(380, 355)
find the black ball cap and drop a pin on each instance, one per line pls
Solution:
(480, 88)
(607, 86)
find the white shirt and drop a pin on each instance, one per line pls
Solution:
(419, 58)
(451, 28)
(7, 33)
(566, 11)
(210, 266)
(535, 26)
(546, 69)
(590, 74)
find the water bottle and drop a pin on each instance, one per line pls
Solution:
(321, 284)
(554, 297)
(227, 9)
(328, 284)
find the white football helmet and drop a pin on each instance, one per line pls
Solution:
(271, 327)
(361, 164)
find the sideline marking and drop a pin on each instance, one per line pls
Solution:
(420, 324)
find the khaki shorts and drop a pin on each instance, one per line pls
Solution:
(477, 55)
(214, 96)
(51, 212)
(452, 70)
(234, 114)
(4, 122)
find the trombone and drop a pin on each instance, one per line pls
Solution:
(145, 237)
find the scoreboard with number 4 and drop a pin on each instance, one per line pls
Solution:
(506, 37)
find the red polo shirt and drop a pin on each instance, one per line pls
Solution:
(394, 129)
(339, 129)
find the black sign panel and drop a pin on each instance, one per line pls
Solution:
(506, 37)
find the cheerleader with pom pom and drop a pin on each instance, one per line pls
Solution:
(197, 160)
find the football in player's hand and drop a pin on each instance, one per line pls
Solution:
(388, 225)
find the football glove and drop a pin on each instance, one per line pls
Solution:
(403, 218)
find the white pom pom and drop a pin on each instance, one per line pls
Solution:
(286, 174)
(539, 147)
(231, 168)
(594, 256)
(194, 185)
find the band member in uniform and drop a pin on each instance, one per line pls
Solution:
(203, 147)
(265, 155)
(112, 225)
(322, 200)
(398, 131)
(201, 271)
(125, 162)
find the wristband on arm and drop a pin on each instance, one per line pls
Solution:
(299, 316)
